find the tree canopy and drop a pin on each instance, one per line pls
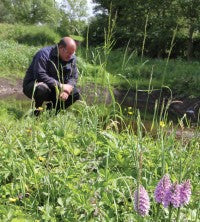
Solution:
(67, 17)
(161, 18)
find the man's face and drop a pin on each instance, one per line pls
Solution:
(66, 53)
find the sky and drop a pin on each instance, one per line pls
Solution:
(90, 6)
(89, 3)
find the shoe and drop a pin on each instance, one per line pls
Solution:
(38, 111)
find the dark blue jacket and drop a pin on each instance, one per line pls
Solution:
(47, 67)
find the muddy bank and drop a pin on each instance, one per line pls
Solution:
(10, 88)
(178, 106)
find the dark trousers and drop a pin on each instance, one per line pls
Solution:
(41, 92)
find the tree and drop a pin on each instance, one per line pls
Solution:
(162, 17)
(33, 11)
(190, 11)
(4, 14)
(74, 13)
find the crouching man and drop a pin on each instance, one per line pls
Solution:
(52, 76)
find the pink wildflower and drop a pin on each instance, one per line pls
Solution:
(172, 196)
(185, 192)
(141, 201)
(161, 188)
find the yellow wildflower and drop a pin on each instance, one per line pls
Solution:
(12, 200)
(130, 113)
(42, 159)
(77, 151)
(40, 108)
(28, 130)
(162, 124)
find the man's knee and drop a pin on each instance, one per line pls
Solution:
(75, 94)
(42, 91)
(28, 89)
(74, 97)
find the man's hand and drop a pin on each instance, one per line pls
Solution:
(64, 96)
(67, 88)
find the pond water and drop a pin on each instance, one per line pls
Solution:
(18, 105)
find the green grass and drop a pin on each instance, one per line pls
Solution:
(127, 70)
(15, 58)
(81, 166)
(19, 43)
(85, 163)
(31, 35)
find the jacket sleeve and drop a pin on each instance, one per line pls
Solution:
(40, 71)
(73, 77)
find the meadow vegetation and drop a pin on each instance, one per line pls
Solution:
(83, 166)
(85, 163)
(19, 43)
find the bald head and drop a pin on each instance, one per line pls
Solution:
(66, 47)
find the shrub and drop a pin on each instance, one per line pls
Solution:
(29, 34)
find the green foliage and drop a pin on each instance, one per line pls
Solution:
(127, 70)
(18, 45)
(124, 66)
(33, 11)
(4, 13)
(15, 58)
(66, 17)
(97, 26)
(77, 38)
(81, 166)
(163, 19)
(84, 163)
(87, 69)
(73, 17)
(29, 34)
(38, 36)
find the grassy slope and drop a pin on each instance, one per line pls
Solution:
(18, 44)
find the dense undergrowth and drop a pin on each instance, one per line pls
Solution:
(83, 166)
(85, 163)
